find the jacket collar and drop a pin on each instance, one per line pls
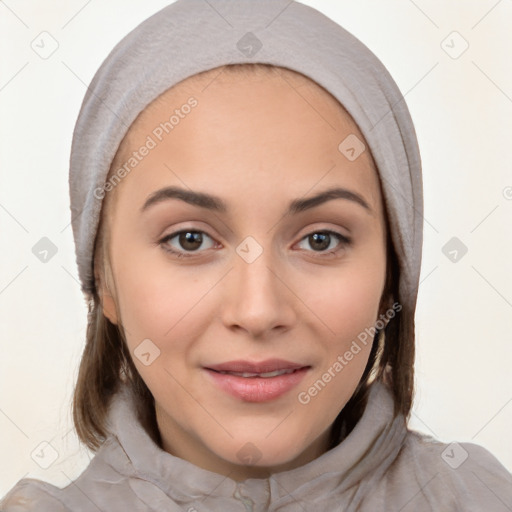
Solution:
(363, 456)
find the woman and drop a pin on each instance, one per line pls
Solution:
(247, 209)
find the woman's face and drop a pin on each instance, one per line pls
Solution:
(272, 268)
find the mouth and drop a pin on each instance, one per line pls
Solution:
(257, 381)
(264, 375)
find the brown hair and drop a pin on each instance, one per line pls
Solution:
(106, 361)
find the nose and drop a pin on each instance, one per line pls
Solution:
(257, 297)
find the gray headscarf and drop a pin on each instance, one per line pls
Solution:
(190, 36)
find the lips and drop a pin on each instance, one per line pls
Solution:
(267, 366)
(264, 375)
(257, 382)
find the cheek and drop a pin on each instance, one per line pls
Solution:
(349, 303)
(154, 299)
(160, 307)
(348, 306)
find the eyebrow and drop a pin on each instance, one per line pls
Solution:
(214, 203)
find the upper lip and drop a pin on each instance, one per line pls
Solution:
(268, 365)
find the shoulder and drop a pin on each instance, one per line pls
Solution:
(94, 489)
(30, 495)
(463, 476)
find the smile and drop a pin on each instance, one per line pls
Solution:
(265, 375)
(257, 382)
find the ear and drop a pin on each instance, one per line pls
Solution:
(109, 307)
(108, 303)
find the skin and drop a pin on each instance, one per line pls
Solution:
(256, 142)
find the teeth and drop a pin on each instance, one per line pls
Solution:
(264, 375)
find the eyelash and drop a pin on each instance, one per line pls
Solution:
(344, 241)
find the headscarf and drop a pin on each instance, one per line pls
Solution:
(191, 36)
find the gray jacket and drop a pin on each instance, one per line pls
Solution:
(379, 466)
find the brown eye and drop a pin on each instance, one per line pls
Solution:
(186, 241)
(324, 241)
(319, 241)
(190, 240)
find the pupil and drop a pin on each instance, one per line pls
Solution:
(191, 240)
(322, 238)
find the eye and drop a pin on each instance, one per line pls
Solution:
(188, 240)
(325, 241)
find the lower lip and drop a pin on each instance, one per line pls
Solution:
(257, 389)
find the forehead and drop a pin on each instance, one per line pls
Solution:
(265, 87)
(251, 125)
